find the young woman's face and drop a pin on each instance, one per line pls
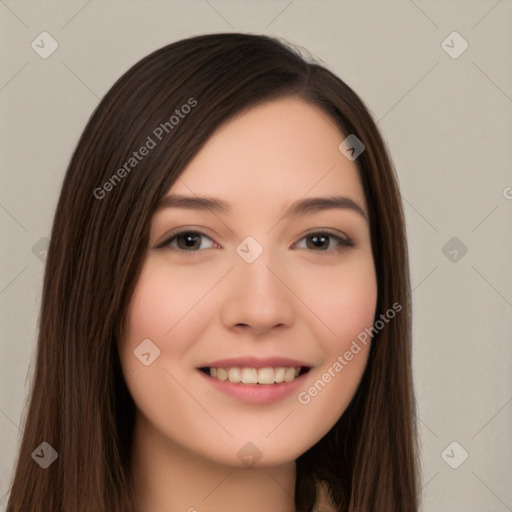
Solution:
(254, 291)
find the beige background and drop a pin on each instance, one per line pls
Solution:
(448, 123)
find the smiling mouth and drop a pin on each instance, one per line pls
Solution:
(264, 376)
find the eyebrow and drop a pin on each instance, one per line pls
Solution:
(297, 208)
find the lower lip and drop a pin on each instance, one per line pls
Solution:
(256, 394)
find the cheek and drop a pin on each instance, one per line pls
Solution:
(342, 298)
(353, 308)
(345, 302)
(155, 313)
(162, 310)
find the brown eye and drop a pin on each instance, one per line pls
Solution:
(189, 241)
(322, 241)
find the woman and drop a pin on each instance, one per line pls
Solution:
(225, 319)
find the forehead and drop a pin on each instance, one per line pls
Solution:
(277, 151)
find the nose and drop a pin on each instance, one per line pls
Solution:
(258, 298)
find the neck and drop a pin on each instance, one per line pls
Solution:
(170, 478)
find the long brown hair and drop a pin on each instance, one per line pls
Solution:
(79, 403)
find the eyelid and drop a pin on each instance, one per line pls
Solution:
(184, 230)
(342, 239)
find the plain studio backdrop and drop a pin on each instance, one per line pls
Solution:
(438, 80)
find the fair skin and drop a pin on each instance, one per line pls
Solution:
(305, 298)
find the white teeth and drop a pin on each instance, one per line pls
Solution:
(289, 374)
(267, 375)
(279, 374)
(222, 374)
(249, 375)
(234, 374)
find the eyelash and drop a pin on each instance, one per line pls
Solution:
(343, 243)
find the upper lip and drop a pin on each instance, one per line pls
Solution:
(255, 362)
